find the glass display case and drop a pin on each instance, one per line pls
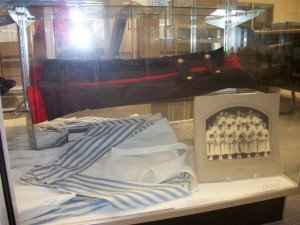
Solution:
(148, 112)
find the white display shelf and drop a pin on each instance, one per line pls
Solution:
(208, 197)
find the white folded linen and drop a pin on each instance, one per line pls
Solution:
(150, 156)
(149, 150)
(33, 201)
(28, 158)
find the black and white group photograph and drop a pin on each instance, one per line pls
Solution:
(237, 133)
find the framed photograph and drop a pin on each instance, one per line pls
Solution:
(236, 136)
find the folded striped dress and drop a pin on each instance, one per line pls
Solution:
(68, 172)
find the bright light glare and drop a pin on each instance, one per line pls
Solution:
(77, 15)
(80, 37)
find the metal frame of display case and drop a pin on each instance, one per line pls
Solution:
(209, 214)
(23, 19)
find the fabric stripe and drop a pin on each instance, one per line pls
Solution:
(123, 81)
(89, 148)
(122, 194)
(94, 193)
(135, 80)
(73, 207)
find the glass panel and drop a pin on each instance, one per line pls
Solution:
(168, 29)
(265, 19)
(93, 63)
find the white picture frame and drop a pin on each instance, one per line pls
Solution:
(248, 154)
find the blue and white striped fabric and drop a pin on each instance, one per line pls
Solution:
(82, 153)
(64, 174)
(75, 207)
(122, 194)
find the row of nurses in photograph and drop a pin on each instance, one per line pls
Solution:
(240, 135)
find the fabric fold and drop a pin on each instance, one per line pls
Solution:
(117, 144)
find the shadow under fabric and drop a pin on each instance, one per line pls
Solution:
(68, 86)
